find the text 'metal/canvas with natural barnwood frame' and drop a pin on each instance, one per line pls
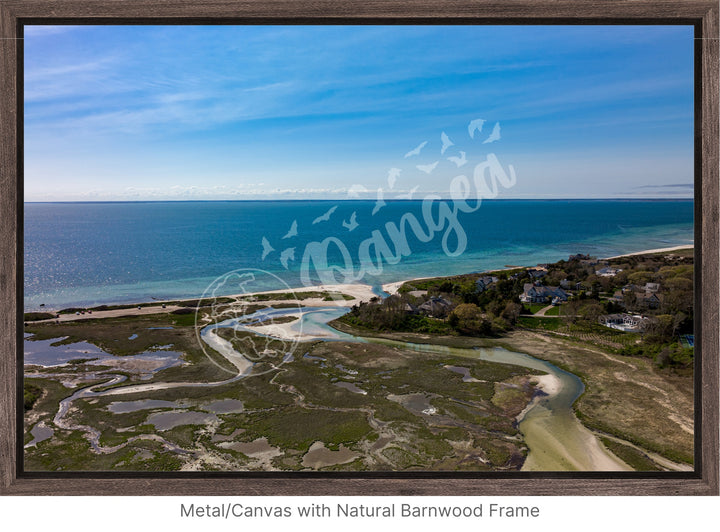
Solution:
(395, 248)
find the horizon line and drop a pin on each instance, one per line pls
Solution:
(279, 200)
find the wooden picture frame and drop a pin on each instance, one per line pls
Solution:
(702, 14)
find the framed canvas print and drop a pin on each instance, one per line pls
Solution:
(395, 248)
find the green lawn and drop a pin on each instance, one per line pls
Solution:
(548, 324)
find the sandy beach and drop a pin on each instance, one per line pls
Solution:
(289, 331)
(647, 251)
(359, 293)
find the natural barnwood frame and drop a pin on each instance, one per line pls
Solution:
(703, 14)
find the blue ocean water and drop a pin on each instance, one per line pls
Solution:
(82, 254)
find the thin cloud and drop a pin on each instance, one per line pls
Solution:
(675, 185)
(31, 30)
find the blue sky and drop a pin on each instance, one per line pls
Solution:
(253, 112)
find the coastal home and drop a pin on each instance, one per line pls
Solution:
(650, 300)
(607, 272)
(534, 293)
(484, 283)
(624, 322)
(652, 287)
(630, 288)
(536, 273)
(410, 308)
(634, 296)
(436, 307)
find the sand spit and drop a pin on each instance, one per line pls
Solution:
(649, 251)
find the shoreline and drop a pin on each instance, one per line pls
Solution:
(652, 251)
(361, 293)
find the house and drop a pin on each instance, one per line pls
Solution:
(650, 300)
(534, 293)
(630, 288)
(484, 282)
(436, 307)
(607, 272)
(651, 287)
(565, 284)
(536, 273)
(624, 322)
(412, 309)
(635, 296)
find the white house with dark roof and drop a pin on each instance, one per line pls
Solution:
(624, 322)
(533, 293)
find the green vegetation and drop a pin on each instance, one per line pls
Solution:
(553, 311)
(148, 332)
(533, 308)
(638, 460)
(292, 427)
(292, 408)
(188, 303)
(546, 324)
(37, 316)
(31, 394)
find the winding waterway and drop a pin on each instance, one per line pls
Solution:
(556, 439)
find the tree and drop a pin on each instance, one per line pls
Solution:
(569, 311)
(663, 358)
(641, 277)
(469, 319)
(590, 311)
(511, 312)
(660, 328)
(629, 300)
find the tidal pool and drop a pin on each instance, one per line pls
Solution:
(226, 406)
(123, 407)
(169, 420)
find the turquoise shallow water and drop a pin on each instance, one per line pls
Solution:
(94, 253)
